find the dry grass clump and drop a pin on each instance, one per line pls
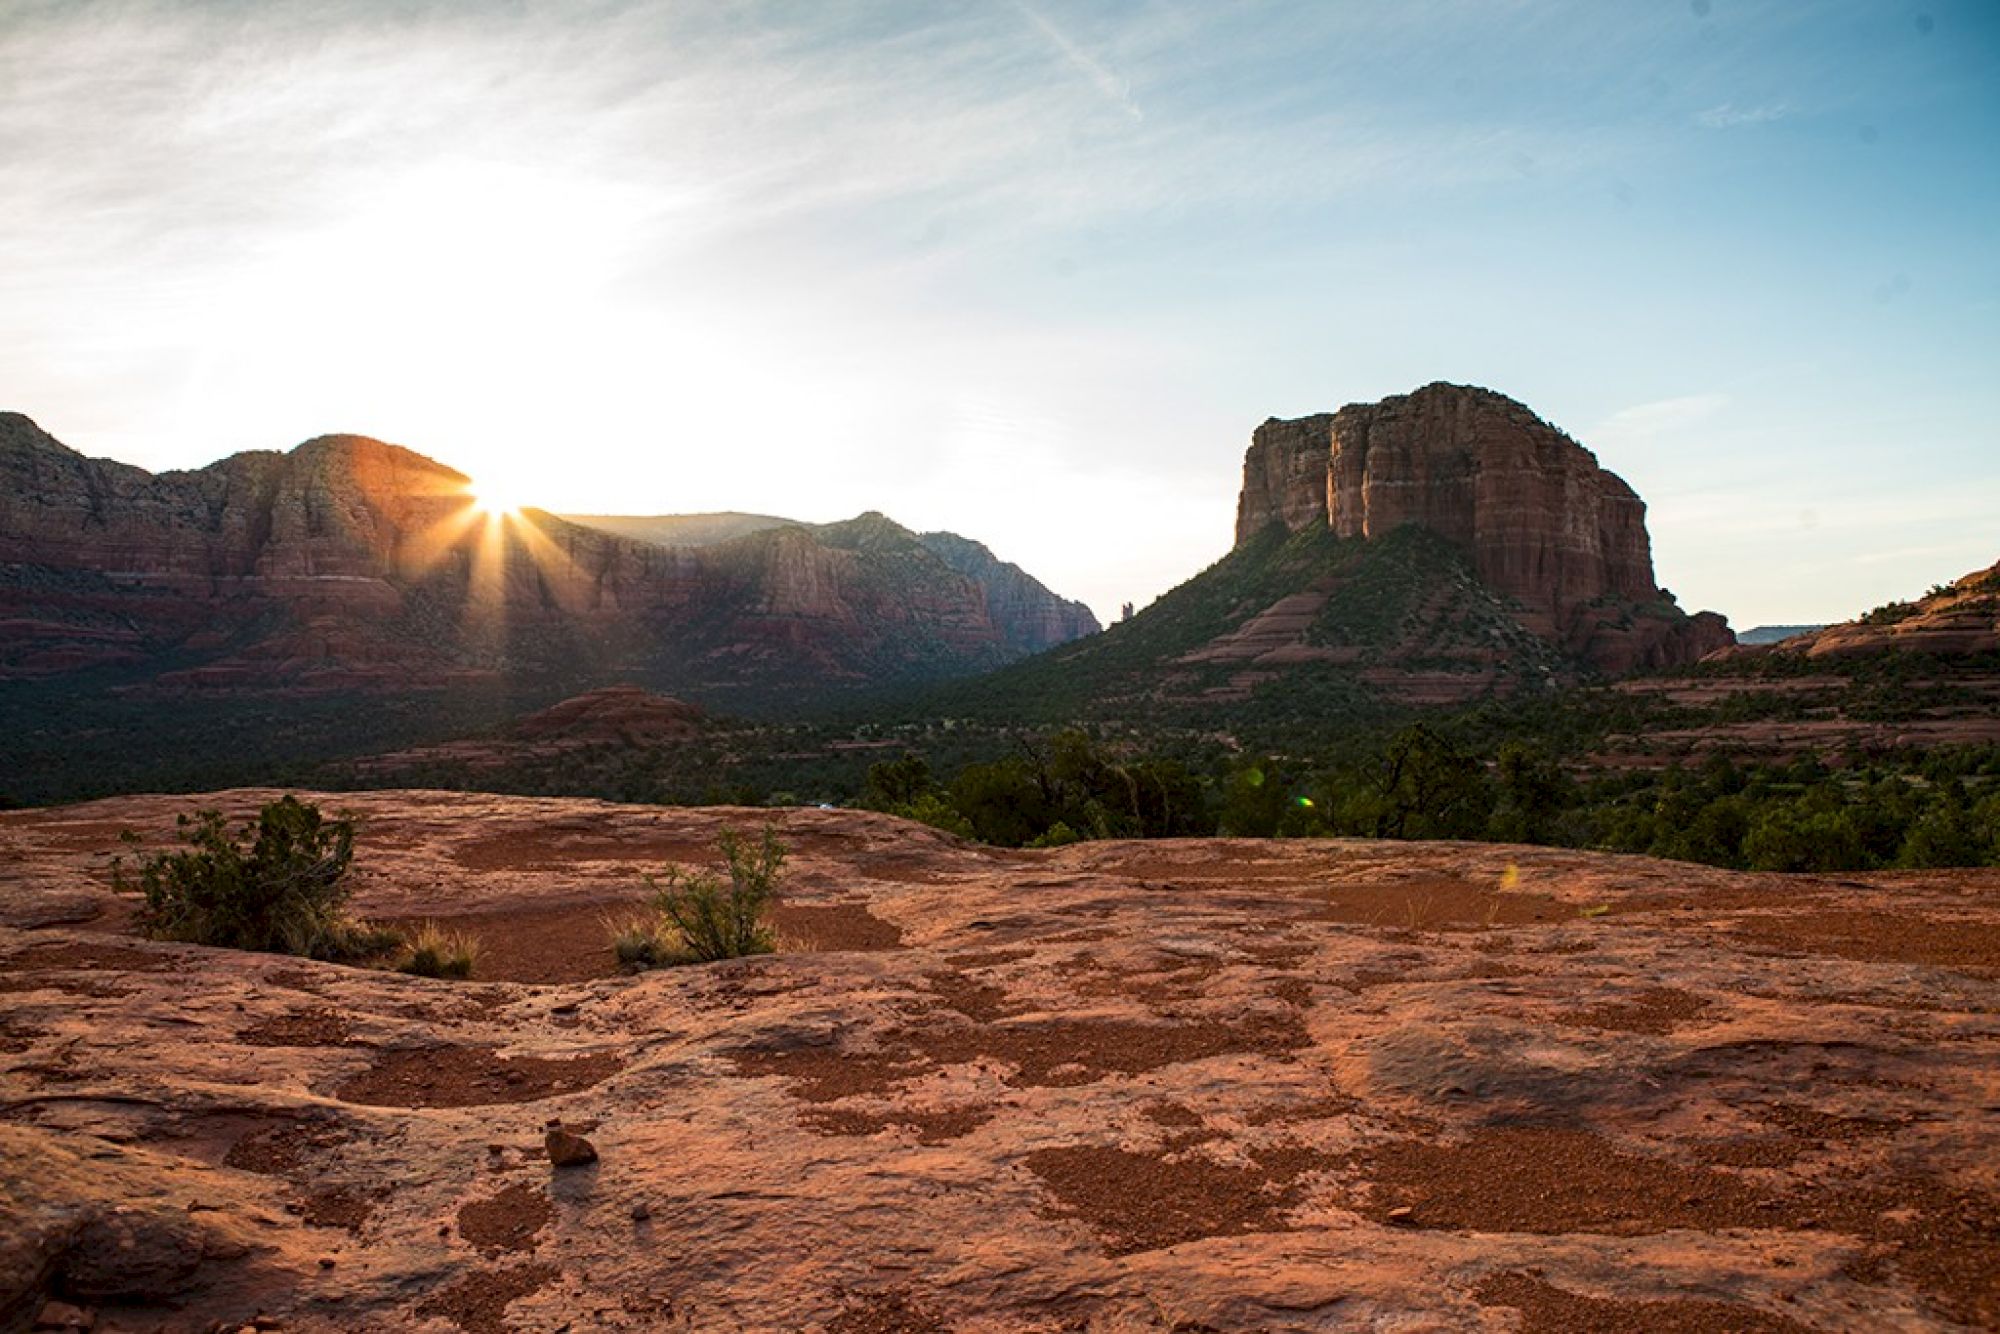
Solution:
(432, 951)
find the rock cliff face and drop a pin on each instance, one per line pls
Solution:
(1030, 615)
(353, 563)
(1542, 523)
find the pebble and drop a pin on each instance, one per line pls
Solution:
(567, 1150)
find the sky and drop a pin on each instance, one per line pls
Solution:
(1033, 271)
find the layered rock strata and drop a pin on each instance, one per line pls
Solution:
(1542, 522)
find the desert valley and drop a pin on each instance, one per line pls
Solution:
(890, 668)
(1174, 1083)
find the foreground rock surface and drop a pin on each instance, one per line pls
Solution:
(1211, 1084)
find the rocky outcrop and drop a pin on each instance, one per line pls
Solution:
(1962, 617)
(1285, 475)
(1542, 523)
(350, 563)
(1288, 1085)
(613, 713)
(562, 746)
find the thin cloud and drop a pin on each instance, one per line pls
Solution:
(1646, 420)
(1729, 116)
(1117, 91)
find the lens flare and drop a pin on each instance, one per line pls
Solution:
(495, 499)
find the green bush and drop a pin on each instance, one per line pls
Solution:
(1057, 835)
(718, 919)
(933, 809)
(278, 888)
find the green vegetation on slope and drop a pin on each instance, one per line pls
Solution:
(1408, 600)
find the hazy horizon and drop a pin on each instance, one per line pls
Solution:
(1033, 272)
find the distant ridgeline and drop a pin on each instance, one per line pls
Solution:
(223, 612)
(1772, 634)
(352, 564)
(1437, 547)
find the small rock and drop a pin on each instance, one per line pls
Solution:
(266, 1322)
(567, 1150)
(641, 1212)
(565, 1007)
(1403, 1216)
(61, 1315)
(326, 1262)
(135, 1254)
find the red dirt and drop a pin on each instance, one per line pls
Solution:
(308, 1028)
(1146, 1201)
(470, 1077)
(1972, 945)
(509, 1221)
(478, 1302)
(283, 1148)
(832, 927)
(1550, 1181)
(339, 1208)
(1547, 1309)
(568, 942)
(897, 1311)
(1656, 1010)
(932, 1127)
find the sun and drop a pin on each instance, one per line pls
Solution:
(495, 500)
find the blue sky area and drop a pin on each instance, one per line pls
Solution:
(1033, 272)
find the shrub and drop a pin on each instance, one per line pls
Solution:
(277, 888)
(435, 952)
(1057, 835)
(710, 918)
(932, 809)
